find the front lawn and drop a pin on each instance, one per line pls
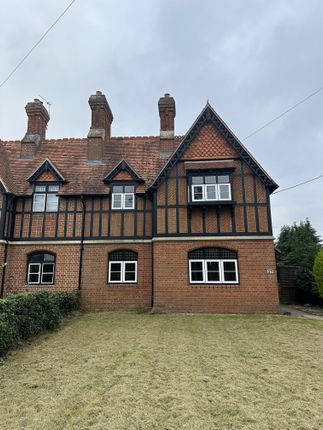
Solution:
(139, 371)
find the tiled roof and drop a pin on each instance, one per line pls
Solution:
(5, 171)
(70, 157)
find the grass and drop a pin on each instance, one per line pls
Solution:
(139, 371)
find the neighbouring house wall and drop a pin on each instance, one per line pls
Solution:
(98, 294)
(256, 292)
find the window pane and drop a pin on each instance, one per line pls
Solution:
(197, 180)
(129, 189)
(47, 278)
(53, 188)
(224, 192)
(40, 188)
(130, 267)
(196, 268)
(34, 268)
(118, 188)
(197, 276)
(129, 201)
(48, 268)
(115, 267)
(115, 276)
(210, 179)
(213, 271)
(224, 179)
(34, 278)
(39, 202)
(116, 201)
(211, 192)
(52, 203)
(197, 192)
(229, 271)
(130, 276)
(230, 276)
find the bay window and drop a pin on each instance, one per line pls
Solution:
(208, 188)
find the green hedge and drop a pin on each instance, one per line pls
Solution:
(25, 315)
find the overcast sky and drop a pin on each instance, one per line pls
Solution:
(251, 59)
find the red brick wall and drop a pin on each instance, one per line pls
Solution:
(256, 292)
(97, 294)
(66, 271)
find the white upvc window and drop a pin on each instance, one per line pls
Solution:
(211, 188)
(41, 269)
(123, 197)
(45, 198)
(213, 271)
(123, 272)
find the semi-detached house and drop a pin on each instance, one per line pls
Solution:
(177, 223)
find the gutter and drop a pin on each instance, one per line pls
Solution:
(82, 242)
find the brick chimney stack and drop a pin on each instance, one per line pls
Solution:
(38, 118)
(167, 113)
(100, 130)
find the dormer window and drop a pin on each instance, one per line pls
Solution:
(45, 198)
(123, 197)
(208, 188)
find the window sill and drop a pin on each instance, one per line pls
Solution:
(122, 284)
(228, 285)
(212, 203)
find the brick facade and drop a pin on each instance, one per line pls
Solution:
(256, 291)
(163, 226)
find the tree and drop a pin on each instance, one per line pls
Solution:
(318, 271)
(298, 246)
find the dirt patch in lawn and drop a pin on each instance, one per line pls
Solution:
(139, 371)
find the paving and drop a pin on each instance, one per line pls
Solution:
(293, 311)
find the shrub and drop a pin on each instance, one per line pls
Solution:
(67, 302)
(25, 315)
(318, 272)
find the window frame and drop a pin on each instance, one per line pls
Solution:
(123, 272)
(40, 265)
(203, 258)
(45, 194)
(123, 195)
(217, 186)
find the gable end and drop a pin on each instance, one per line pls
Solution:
(123, 166)
(208, 115)
(46, 167)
